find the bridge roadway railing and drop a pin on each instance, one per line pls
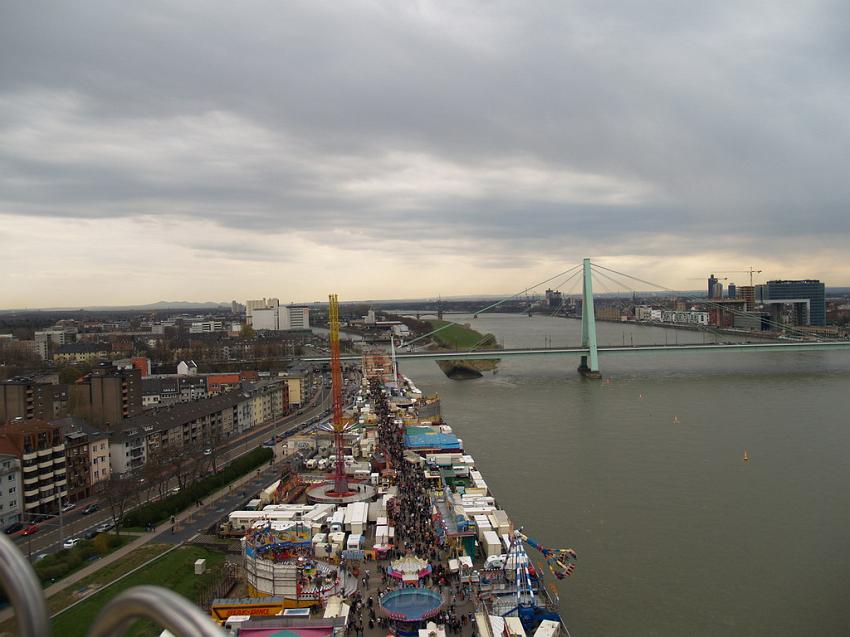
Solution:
(165, 608)
(805, 346)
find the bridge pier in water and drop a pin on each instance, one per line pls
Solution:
(589, 367)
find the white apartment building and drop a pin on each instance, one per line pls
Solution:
(297, 385)
(57, 335)
(128, 450)
(267, 318)
(252, 306)
(206, 327)
(295, 317)
(101, 467)
(11, 496)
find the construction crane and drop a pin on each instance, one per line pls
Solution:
(751, 272)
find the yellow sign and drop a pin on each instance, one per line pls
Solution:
(225, 608)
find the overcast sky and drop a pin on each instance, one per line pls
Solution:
(232, 150)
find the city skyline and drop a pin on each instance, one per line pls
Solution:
(393, 151)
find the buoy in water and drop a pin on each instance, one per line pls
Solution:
(746, 456)
(641, 396)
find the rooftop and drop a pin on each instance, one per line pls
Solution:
(83, 348)
(180, 414)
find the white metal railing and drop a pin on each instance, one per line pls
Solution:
(166, 608)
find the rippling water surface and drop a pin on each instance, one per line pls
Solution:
(643, 474)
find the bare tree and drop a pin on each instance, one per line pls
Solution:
(158, 470)
(188, 463)
(196, 463)
(120, 493)
(216, 439)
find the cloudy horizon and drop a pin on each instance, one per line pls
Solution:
(175, 150)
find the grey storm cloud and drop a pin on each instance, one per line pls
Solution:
(504, 123)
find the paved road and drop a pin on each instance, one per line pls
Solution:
(75, 524)
(211, 512)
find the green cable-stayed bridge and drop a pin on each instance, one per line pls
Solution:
(589, 351)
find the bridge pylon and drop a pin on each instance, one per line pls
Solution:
(589, 366)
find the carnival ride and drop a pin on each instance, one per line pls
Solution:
(338, 490)
(279, 561)
(409, 569)
(561, 562)
(340, 481)
(527, 584)
(278, 543)
(412, 603)
(290, 486)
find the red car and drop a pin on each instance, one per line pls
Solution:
(29, 530)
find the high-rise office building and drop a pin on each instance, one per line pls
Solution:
(732, 291)
(712, 283)
(807, 298)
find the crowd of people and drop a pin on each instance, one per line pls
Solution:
(410, 510)
(411, 514)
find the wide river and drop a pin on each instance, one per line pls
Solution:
(642, 473)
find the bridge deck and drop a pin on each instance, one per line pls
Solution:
(808, 346)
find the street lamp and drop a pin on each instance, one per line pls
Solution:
(61, 527)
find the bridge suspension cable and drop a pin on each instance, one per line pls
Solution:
(575, 279)
(714, 305)
(497, 303)
(703, 328)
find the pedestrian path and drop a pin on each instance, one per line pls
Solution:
(186, 526)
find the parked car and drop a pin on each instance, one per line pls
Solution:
(90, 534)
(91, 508)
(69, 507)
(70, 543)
(29, 530)
(13, 528)
(106, 526)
